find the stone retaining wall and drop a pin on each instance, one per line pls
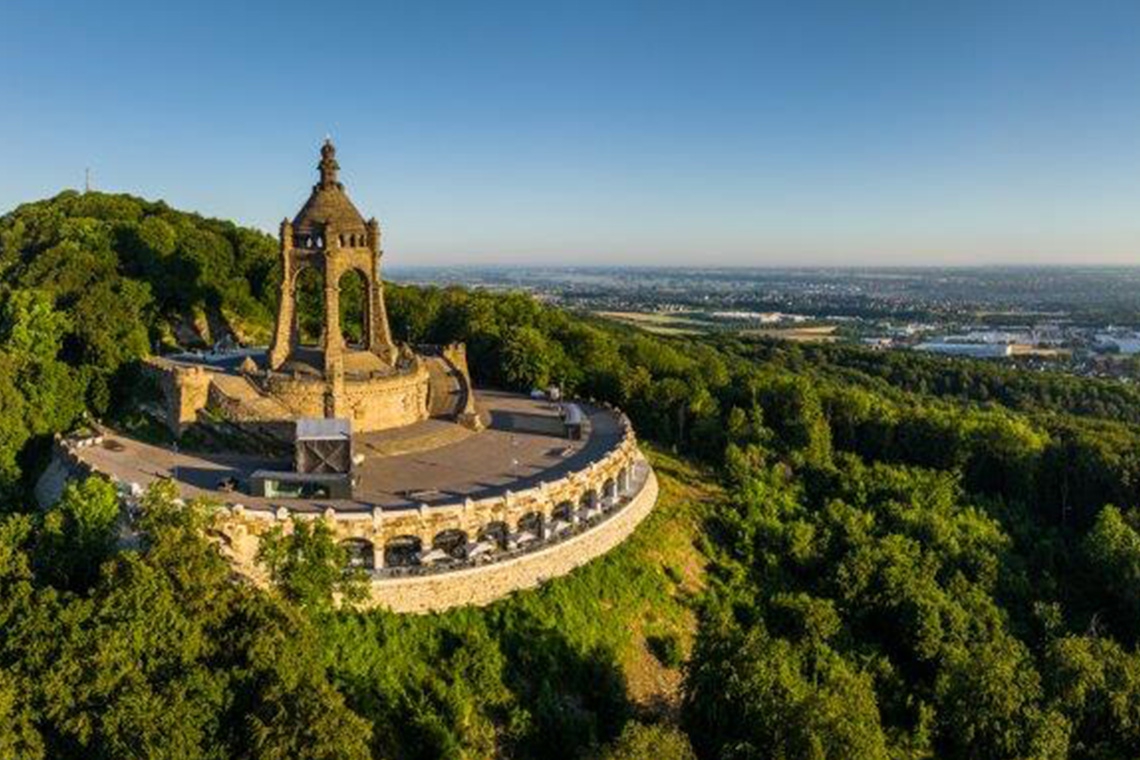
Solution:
(602, 503)
(65, 465)
(371, 403)
(484, 584)
(602, 482)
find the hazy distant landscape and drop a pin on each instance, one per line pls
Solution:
(1081, 295)
(1077, 319)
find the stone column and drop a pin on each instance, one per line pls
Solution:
(283, 333)
(333, 338)
(379, 333)
(377, 538)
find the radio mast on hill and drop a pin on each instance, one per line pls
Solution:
(87, 179)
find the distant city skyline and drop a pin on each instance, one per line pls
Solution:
(822, 133)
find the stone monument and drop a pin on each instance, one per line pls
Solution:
(375, 384)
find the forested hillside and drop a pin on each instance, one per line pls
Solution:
(89, 283)
(852, 557)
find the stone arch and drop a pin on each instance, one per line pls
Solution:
(354, 304)
(452, 541)
(563, 511)
(309, 305)
(402, 551)
(340, 239)
(532, 522)
(609, 490)
(360, 553)
(624, 479)
(588, 499)
(496, 532)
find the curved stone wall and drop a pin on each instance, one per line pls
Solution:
(483, 584)
(372, 403)
(600, 482)
(496, 545)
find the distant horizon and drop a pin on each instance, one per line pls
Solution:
(535, 262)
(821, 133)
(765, 267)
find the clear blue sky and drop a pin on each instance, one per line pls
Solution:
(752, 133)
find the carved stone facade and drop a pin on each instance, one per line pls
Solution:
(567, 523)
(427, 541)
(528, 536)
(483, 584)
(331, 236)
(371, 403)
(375, 384)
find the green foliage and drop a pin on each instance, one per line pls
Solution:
(666, 648)
(30, 327)
(988, 701)
(164, 657)
(79, 533)
(87, 282)
(527, 358)
(1096, 683)
(751, 695)
(1112, 547)
(19, 738)
(889, 572)
(915, 559)
(639, 741)
(979, 381)
(308, 567)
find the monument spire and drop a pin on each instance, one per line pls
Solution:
(328, 165)
(330, 235)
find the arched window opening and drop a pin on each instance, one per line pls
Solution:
(564, 511)
(309, 299)
(354, 308)
(359, 553)
(453, 543)
(402, 551)
(609, 493)
(532, 524)
(496, 533)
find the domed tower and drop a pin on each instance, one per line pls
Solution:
(331, 236)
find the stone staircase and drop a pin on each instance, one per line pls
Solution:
(241, 397)
(447, 393)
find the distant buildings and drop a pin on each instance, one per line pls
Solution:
(1119, 342)
(972, 350)
(764, 317)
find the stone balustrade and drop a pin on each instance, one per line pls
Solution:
(396, 536)
(469, 551)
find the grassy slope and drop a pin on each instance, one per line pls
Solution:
(420, 676)
(643, 588)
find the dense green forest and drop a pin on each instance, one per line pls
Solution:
(854, 555)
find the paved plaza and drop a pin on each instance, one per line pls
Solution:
(438, 461)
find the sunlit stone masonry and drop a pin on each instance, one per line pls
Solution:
(445, 496)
